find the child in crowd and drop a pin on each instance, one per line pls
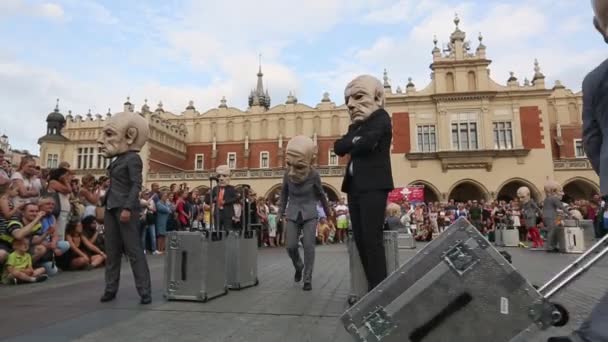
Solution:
(8, 212)
(393, 218)
(18, 268)
(323, 231)
(82, 254)
(272, 224)
(433, 218)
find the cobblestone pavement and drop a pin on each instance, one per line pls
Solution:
(67, 307)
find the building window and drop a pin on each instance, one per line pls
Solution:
(199, 162)
(102, 162)
(427, 138)
(85, 158)
(333, 158)
(264, 160)
(52, 160)
(464, 135)
(503, 135)
(231, 160)
(579, 151)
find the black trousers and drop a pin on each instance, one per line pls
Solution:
(223, 220)
(367, 218)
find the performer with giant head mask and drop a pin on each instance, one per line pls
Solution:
(531, 212)
(122, 138)
(223, 196)
(368, 178)
(301, 192)
(552, 208)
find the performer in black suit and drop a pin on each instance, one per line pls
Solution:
(122, 137)
(223, 196)
(368, 178)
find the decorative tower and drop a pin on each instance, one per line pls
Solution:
(259, 97)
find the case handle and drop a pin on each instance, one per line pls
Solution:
(453, 307)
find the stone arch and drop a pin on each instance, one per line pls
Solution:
(202, 190)
(229, 131)
(264, 129)
(431, 193)
(450, 85)
(247, 127)
(472, 81)
(335, 125)
(282, 126)
(468, 189)
(579, 188)
(333, 195)
(507, 191)
(316, 124)
(273, 194)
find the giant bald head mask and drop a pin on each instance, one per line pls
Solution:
(363, 96)
(553, 188)
(600, 19)
(299, 158)
(223, 175)
(523, 194)
(123, 132)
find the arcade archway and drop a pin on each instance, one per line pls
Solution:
(507, 191)
(468, 190)
(274, 193)
(579, 188)
(431, 193)
(202, 190)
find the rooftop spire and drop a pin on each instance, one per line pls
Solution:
(538, 75)
(57, 106)
(387, 85)
(259, 97)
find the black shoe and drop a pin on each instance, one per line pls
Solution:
(554, 250)
(307, 287)
(298, 276)
(560, 339)
(41, 278)
(107, 296)
(145, 300)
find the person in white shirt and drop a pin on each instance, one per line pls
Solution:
(28, 185)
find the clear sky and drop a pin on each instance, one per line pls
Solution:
(92, 54)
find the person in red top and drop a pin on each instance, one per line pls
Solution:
(183, 217)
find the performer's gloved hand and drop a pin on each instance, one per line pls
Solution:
(125, 216)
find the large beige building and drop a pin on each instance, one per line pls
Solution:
(463, 135)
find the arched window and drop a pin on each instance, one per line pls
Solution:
(449, 82)
(472, 81)
(229, 131)
(264, 129)
(316, 123)
(282, 126)
(299, 126)
(335, 125)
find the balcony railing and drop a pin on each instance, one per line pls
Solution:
(572, 164)
(333, 171)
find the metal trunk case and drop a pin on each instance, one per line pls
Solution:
(195, 266)
(406, 241)
(456, 288)
(241, 260)
(358, 280)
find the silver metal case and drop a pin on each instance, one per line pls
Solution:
(358, 280)
(457, 288)
(195, 266)
(241, 259)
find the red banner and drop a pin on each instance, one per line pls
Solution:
(412, 193)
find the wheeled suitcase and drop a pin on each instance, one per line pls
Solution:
(241, 259)
(456, 288)
(195, 266)
(510, 237)
(570, 296)
(358, 280)
(406, 241)
(570, 240)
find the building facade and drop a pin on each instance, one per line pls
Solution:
(462, 136)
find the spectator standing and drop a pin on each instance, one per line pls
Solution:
(163, 212)
(60, 185)
(341, 220)
(28, 183)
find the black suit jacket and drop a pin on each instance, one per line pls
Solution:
(125, 182)
(595, 121)
(370, 154)
(230, 197)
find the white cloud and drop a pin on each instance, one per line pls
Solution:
(20, 7)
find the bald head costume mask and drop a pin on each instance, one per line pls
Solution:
(299, 158)
(123, 132)
(363, 96)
